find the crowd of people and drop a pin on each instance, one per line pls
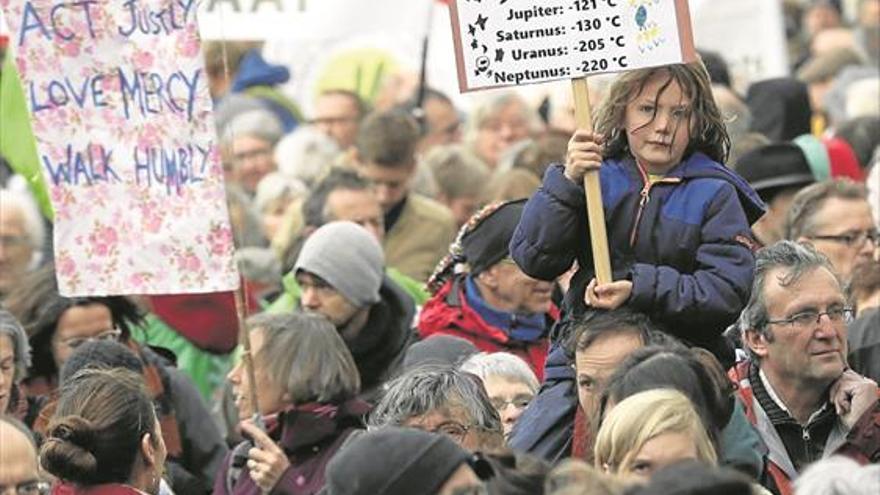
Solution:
(425, 317)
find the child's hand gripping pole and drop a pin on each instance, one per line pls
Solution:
(595, 211)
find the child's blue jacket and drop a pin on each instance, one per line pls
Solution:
(685, 242)
(688, 254)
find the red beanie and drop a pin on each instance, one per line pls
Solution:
(844, 163)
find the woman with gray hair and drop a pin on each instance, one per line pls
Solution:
(248, 144)
(497, 123)
(306, 384)
(441, 399)
(15, 359)
(509, 381)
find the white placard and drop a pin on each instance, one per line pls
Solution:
(749, 34)
(513, 42)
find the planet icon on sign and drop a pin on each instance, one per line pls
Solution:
(641, 16)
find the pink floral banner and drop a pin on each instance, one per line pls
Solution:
(122, 115)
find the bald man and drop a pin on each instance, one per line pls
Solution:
(18, 459)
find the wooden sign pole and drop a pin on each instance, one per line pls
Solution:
(244, 338)
(592, 189)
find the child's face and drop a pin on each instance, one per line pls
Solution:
(658, 128)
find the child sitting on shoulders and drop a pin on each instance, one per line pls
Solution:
(678, 221)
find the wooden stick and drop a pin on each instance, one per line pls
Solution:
(244, 338)
(592, 189)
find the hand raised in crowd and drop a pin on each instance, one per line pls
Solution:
(584, 153)
(266, 461)
(607, 296)
(853, 394)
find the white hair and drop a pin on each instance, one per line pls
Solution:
(838, 475)
(275, 186)
(306, 154)
(503, 365)
(35, 229)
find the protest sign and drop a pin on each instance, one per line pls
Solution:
(504, 43)
(121, 113)
(753, 54)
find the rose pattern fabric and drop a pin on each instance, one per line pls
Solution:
(117, 93)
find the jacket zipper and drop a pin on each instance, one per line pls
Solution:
(645, 194)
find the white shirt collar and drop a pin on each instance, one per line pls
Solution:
(778, 400)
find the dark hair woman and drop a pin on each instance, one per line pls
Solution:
(57, 326)
(105, 438)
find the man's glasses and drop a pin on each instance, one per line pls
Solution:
(806, 319)
(31, 487)
(851, 239)
(108, 335)
(13, 241)
(240, 156)
(332, 120)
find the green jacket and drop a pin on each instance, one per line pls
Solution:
(208, 371)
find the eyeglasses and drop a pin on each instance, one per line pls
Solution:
(240, 156)
(451, 429)
(30, 487)
(851, 239)
(519, 402)
(806, 319)
(328, 121)
(107, 335)
(13, 241)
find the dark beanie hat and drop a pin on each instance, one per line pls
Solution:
(775, 166)
(487, 243)
(439, 349)
(394, 461)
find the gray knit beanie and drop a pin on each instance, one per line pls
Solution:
(348, 258)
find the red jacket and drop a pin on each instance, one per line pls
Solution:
(448, 313)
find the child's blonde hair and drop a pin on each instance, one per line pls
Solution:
(708, 130)
(643, 416)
